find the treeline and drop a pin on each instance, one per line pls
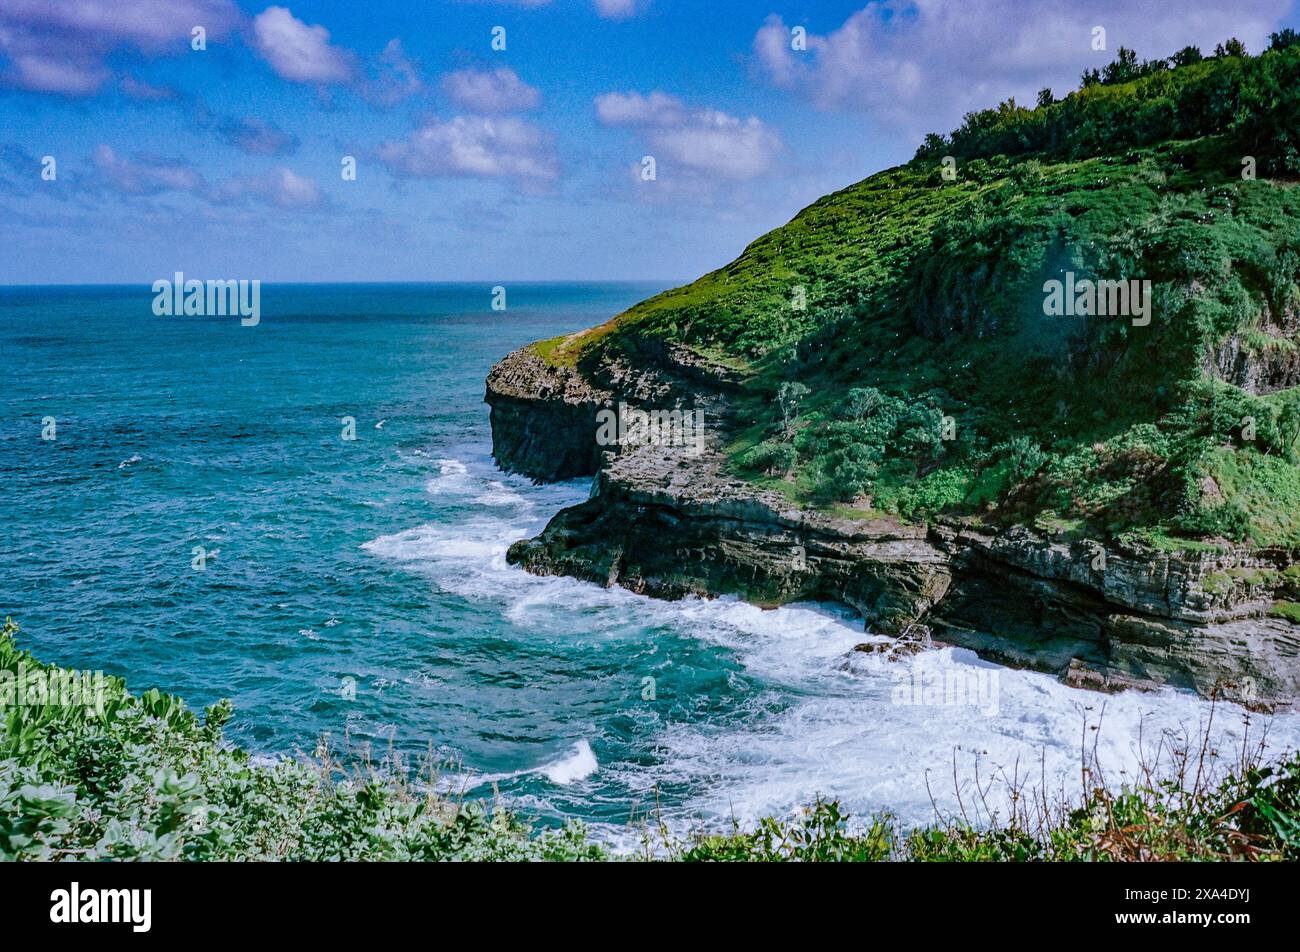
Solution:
(1128, 104)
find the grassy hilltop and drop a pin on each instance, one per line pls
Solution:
(896, 355)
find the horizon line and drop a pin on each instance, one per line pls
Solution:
(487, 281)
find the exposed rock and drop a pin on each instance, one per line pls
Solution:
(1266, 364)
(543, 418)
(544, 415)
(668, 523)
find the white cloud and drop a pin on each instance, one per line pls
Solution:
(609, 9)
(63, 47)
(616, 9)
(297, 51)
(395, 77)
(483, 91)
(632, 109)
(282, 188)
(146, 175)
(900, 58)
(475, 146)
(705, 142)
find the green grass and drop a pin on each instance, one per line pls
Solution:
(931, 292)
(1288, 610)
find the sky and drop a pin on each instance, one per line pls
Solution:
(498, 141)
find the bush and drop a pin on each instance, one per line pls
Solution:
(1227, 520)
(1024, 458)
(773, 457)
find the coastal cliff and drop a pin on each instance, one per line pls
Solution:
(668, 524)
(1035, 393)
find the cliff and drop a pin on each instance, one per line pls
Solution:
(668, 525)
(899, 419)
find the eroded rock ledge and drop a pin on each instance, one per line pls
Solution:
(670, 524)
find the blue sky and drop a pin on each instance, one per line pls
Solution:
(497, 165)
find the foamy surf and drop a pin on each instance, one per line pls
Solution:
(578, 764)
(795, 712)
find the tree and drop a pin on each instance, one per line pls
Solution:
(1283, 38)
(788, 397)
(1024, 458)
(1045, 98)
(853, 470)
(1288, 426)
(920, 430)
(933, 146)
(1234, 47)
(1124, 69)
(862, 402)
(772, 457)
(1187, 56)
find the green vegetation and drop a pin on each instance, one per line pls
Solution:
(912, 304)
(1288, 610)
(139, 777)
(1250, 815)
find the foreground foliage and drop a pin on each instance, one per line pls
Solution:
(146, 779)
(142, 778)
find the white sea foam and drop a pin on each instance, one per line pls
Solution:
(453, 479)
(577, 764)
(818, 718)
(498, 495)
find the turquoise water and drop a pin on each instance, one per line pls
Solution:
(379, 562)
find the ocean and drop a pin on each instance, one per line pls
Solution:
(199, 523)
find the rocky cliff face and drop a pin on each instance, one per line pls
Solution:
(670, 523)
(543, 418)
(543, 415)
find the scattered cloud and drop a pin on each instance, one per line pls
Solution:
(705, 142)
(145, 174)
(63, 47)
(256, 136)
(490, 91)
(617, 9)
(474, 146)
(633, 109)
(896, 58)
(20, 175)
(282, 188)
(395, 77)
(146, 92)
(609, 9)
(299, 52)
